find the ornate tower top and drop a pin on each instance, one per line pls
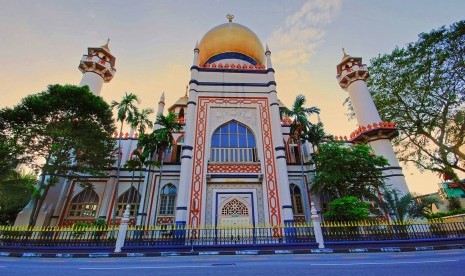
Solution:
(99, 60)
(230, 17)
(350, 69)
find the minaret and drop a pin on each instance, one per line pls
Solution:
(281, 167)
(352, 76)
(98, 66)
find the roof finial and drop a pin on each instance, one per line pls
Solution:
(230, 17)
(345, 56)
(187, 87)
(106, 45)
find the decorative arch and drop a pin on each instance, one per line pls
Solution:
(84, 204)
(167, 200)
(233, 142)
(131, 197)
(234, 206)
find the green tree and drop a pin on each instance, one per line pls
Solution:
(408, 206)
(348, 208)
(421, 88)
(454, 203)
(63, 132)
(348, 171)
(126, 111)
(300, 126)
(15, 192)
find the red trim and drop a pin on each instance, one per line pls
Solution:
(198, 168)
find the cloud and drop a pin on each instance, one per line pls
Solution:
(303, 31)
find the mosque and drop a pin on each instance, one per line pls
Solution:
(234, 163)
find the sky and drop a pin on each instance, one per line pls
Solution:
(42, 42)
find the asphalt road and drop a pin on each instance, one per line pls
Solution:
(450, 262)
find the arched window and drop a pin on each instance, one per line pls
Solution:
(181, 114)
(167, 200)
(84, 204)
(131, 197)
(296, 198)
(178, 149)
(233, 143)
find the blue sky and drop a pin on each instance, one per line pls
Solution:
(41, 42)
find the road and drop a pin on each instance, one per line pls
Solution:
(450, 262)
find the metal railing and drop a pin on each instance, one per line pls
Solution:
(374, 231)
(154, 236)
(58, 236)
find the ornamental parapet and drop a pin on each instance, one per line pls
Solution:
(286, 121)
(232, 66)
(233, 168)
(124, 135)
(376, 130)
(181, 120)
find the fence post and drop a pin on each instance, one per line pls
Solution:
(317, 227)
(123, 227)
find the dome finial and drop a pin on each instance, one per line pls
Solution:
(230, 17)
(187, 87)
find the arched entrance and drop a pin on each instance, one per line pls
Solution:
(234, 213)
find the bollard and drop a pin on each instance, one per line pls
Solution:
(123, 227)
(317, 227)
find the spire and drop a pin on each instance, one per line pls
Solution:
(106, 45)
(268, 57)
(187, 87)
(345, 56)
(162, 98)
(196, 46)
(230, 17)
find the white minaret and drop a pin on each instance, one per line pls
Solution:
(352, 76)
(98, 66)
(281, 167)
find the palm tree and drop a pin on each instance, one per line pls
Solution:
(300, 126)
(403, 207)
(125, 113)
(163, 135)
(140, 120)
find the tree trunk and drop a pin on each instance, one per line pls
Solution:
(158, 185)
(118, 168)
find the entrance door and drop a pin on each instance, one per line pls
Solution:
(234, 213)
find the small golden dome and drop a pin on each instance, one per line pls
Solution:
(231, 38)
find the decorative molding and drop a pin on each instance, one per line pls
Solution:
(186, 147)
(200, 139)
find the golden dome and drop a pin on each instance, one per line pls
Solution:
(231, 38)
